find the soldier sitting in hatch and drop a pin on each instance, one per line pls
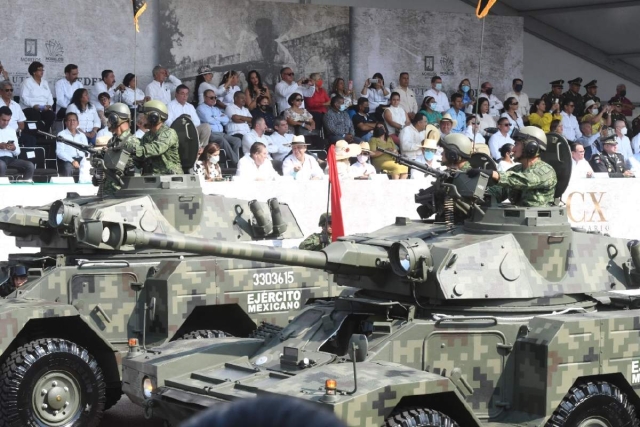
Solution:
(318, 241)
(17, 279)
(532, 182)
(158, 151)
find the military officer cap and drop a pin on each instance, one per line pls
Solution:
(592, 83)
(576, 81)
(557, 83)
(608, 136)
(324, 220)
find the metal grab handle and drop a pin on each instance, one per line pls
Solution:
(466, 319)
(100, 310)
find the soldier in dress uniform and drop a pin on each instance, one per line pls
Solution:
(555, 96)
(573, 94)
(318, 241)
(617, 114)
(592, 90)
(609, 160)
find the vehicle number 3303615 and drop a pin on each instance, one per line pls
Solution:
(273, 278)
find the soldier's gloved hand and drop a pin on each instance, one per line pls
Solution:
(472, 173)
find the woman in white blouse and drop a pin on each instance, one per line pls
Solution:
(132, 96)
(89, 121)
(203, 83)
(486, 120)
(506, 161)
(511, 113)
(375, 92)
(228, 86)
(394, 116)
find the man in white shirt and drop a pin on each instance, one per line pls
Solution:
(65, 88)
(473, 130)
(281, 139)
(436, 92)
(69, 158)
(411, 138)
(570, 126)
(624, 145)
(495, 105)
(635, 144)
(159, 89)
(523, 98)
(581, 168)
(239, 115)
(500, 138)
(180, 106)
(300, 165)
(287, 86)
(10, 149)
(407, 96)
(6, 99)
(256, 166)
(108, 85)
(256, 135)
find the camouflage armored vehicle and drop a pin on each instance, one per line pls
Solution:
(62, 333)
(509, 317)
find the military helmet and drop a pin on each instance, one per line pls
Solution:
(531, 132)
(155, 108)
(324, 220)
(117, 113)
(458, 143)
(19, 270)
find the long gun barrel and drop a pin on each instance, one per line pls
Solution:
(413, 164)
(73, 144)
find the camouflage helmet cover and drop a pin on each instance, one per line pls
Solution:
(324, 219)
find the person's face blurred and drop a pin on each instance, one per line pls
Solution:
(569, 108)
(575, 88)
(542, 106)
(337, 104)
(234, 80)
(208, 77)
(592, 90)
(260, 156)
(85, 98)
(518, 148)
(142, 121)
(239, 100)
(404, 80)
(72, 75)
(457, 104)
(475, 124)
(39, 73)
(557, 90)
(110, 79)
(365, 106)
(560, 128)
(260, 127)
(504, 127)
(298, 151)
(484, 108)
(421, 125)
(619, 126)
(395, 101)
(19, 281)
(264, 102)
(514, 105)
(438, 81)
(7, 93)
(133, 83)
(327, 228)
(610, 148)
(210, 98)
(104, 101)
(282, 128)
(253, 79)
(182, 95)
(71, 123)
(578, 154)
(621, 88)
(4, 121)
(340, 85)
(288, 75)
(445, 127)
(586, 129)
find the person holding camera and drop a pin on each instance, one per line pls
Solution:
(375, 91)
(10, 149)
(539, 116)
(554, 97)
(287, 87)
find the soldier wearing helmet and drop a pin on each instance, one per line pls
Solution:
(457, 151)
(318, 241)
(157, 153)
(17, 279)
(532, 182)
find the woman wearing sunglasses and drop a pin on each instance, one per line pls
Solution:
(511, 112)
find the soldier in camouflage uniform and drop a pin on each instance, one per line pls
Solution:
(573, 94)
(158, 151)
(532, 182)
(457, 151)
(17, 278)
(555, 96)
(318, 241)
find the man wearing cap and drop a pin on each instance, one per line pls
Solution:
(610, 160)
(616, 114)
(555, 96)
(495, 105)
(523, 98)
(447, 123)
(592, 90)
(621, 96)
(530, 183)
(573, 94)
(300, 165)
(18, 278)
(362, 169)
(318, 241)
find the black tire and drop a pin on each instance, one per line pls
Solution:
(419, 417)
(112, 395)
(204, 333)
(599, 401)
(75, 383)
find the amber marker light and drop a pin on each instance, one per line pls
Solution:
(330, 387)
(133, 342)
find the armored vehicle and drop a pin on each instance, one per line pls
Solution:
(63, 331)
(506, 317)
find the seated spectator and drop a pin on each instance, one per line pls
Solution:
(256, 134)
(339, 88)
(581, 168)
(298, 118)
(468, 101)
(624, 145)
(18, 118)
(10, 148)
(88, 119)
(256, 166)
(300, 165)
(523, 99)
(159, 89)
(486, 120)
(210, 162)
(429, 109)
(570, 126)
(588, 139)
(541, 118)
(506, 157)
(616, 113)
(69, 158)
(65, 87)
(105, 102)
(383, 162)
(595, 116)
(500, 138)
(495, 105)
(457, 113)
(411, 138)
(609, 160)
(228, 87)
(281, 140)
(362, 169)
(375, 90)
(510, 111)
(108, 84)
(265, 111)
(473, 130)
(132, 95)
(36, 95)
(239, 116)
(337, 123)
(256, 89)
(208, 112)
(635, 144)
(363, 122)
(317, 103)
(287, 87)
(141, 125)
(407, 96)
(395, 117)
(447, 123)
(430, 150)
(203, 83)
(556, 127)
(345, 151)
(180, 106)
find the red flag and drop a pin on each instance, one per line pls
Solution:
(337, 225)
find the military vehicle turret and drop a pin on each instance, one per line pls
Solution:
(507, 317)
(84, 300)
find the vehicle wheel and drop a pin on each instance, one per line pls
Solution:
(594, 405)
(51, 382)
(113, 395)
(204, 333)
(419, 417)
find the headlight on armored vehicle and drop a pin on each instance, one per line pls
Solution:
(61, 214)
(147, 387)
(410, 257)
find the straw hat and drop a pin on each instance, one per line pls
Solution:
(205, 69)
(365, 147)
(298, 140)
(447, 117)
(431, 137)
(344, 150)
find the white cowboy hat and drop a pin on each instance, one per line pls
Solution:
(344, 150)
